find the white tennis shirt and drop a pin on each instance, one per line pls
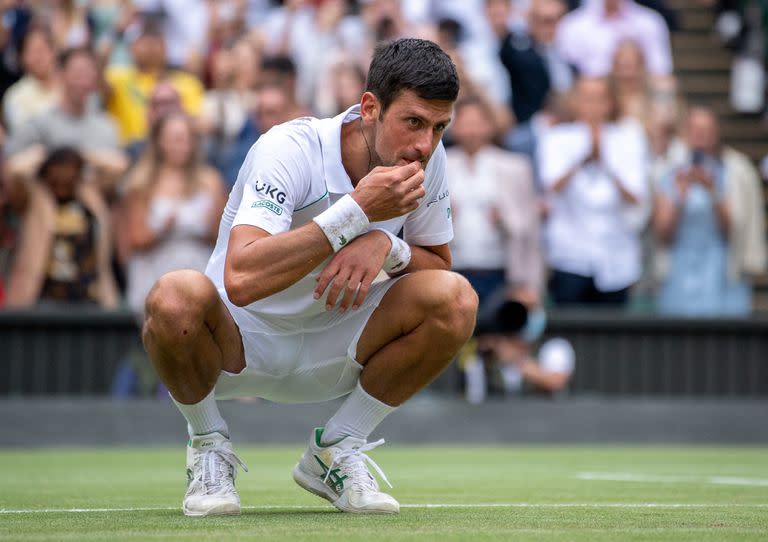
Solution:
(590, 230)
(293, 173)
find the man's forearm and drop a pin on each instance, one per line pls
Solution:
(259, 268)
(423, 258)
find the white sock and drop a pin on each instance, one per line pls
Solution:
(357, 417)
(203, 417)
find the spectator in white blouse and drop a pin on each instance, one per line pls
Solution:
(495, 212)
(595, 171)
(588, 36)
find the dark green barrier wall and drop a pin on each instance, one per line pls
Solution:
(78, 353)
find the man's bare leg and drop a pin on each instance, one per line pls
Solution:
(410, 338)
(190, 337)
(412, 335)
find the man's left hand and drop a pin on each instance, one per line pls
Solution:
(352, 270)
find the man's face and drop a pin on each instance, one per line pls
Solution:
(497, 13)
(272, 109)
(702, 131)
(543, 19)
(79, 77)
(149, 51)
(409, 130)
(472, 128)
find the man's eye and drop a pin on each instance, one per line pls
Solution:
(413, 122)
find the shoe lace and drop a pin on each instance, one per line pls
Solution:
(352, 462)
(217, 469)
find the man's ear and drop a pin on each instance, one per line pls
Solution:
(370, 108)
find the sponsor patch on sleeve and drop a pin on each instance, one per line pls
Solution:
(270, 206)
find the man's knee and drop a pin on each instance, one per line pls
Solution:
(177, 304)
(456, 305)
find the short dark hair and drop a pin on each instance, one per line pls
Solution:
(281, 64)
(502, 317)
(411, 64)
(61, 155)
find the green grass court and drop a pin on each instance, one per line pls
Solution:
(447, 493)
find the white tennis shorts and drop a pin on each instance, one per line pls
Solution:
(307, 366)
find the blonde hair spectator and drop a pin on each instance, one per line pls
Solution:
(173, 204)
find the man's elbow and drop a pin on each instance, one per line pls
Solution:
(235, 286)
(244, 288)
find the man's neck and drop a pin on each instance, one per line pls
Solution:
(612, 9)
(472, 151)
(357, 156)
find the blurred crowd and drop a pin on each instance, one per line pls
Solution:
(578, 174)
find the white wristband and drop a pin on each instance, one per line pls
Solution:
(399, 255)
(342, 222)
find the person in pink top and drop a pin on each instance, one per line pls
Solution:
(587, 37)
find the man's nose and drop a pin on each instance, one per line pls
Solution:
(423, 143)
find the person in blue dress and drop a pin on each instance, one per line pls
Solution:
(697, 218)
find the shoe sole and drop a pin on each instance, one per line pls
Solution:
(311, 484)
(222, 510)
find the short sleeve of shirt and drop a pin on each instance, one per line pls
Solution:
(557, 356)
(431, 223)
(276, 179)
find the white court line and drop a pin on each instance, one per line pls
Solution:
(737, 481)
(417, 506)
(656, 478)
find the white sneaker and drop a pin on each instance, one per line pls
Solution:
(338, 472)
(211, 470)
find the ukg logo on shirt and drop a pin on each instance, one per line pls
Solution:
(270, 191)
